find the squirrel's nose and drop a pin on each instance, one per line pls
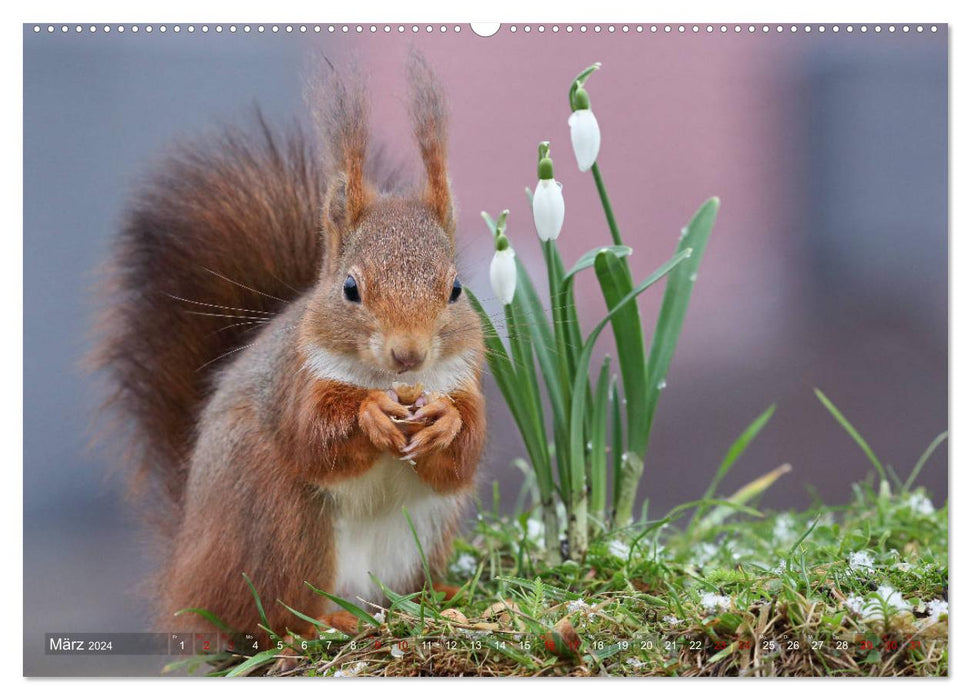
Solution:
(407, 359)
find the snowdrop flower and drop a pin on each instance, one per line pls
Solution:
(861, 560)
(502, 271)
(712, 602)
(936, 609)
(584, 131)
(548, 205)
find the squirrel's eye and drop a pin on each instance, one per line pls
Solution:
(456, 292)
(351, 292)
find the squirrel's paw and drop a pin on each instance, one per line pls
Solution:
(445, 423)
(374, 417)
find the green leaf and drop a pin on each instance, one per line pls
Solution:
(544, 344)
(528, 391)
(616, 440)
(587, 259)
(674, 307)
(615, 283)
(598, 444)
(348, 606)
(502, 368)
(578, 404)
(848, 427)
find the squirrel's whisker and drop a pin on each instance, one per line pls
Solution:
(216, 359)
(218, 306)
(243, 286)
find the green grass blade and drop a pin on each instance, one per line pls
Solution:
(848, 427)
(558, 594)
(923, 460)
(256, 660)
(421, 550)
(318, 625)
(259, 606)
(587, 259)
(215, 621)
(674, 307)
(347, 605)
(615, 283)
(734, 452)
(398, 601)
(745, 494)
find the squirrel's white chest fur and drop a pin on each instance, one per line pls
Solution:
(372, 535)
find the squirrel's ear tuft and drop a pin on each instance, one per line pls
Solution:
(341, 110)
(343, 206)
(429, 114)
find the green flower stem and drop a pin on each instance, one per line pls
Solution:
(605, 201)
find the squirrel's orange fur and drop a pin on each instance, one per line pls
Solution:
(256, 388)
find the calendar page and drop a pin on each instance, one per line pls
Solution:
(543, 349)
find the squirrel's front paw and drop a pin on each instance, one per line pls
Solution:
(445, 423)
(374, 417)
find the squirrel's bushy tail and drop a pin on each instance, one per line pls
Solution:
(221, 236)
(216, 242)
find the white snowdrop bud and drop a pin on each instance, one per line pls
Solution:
(548, 204)
(584, 132)
(502, 271)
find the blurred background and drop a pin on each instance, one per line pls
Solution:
(827, 267)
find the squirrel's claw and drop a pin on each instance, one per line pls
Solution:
(373, 417)
(439, 434)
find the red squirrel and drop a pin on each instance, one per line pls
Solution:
(264, 298)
